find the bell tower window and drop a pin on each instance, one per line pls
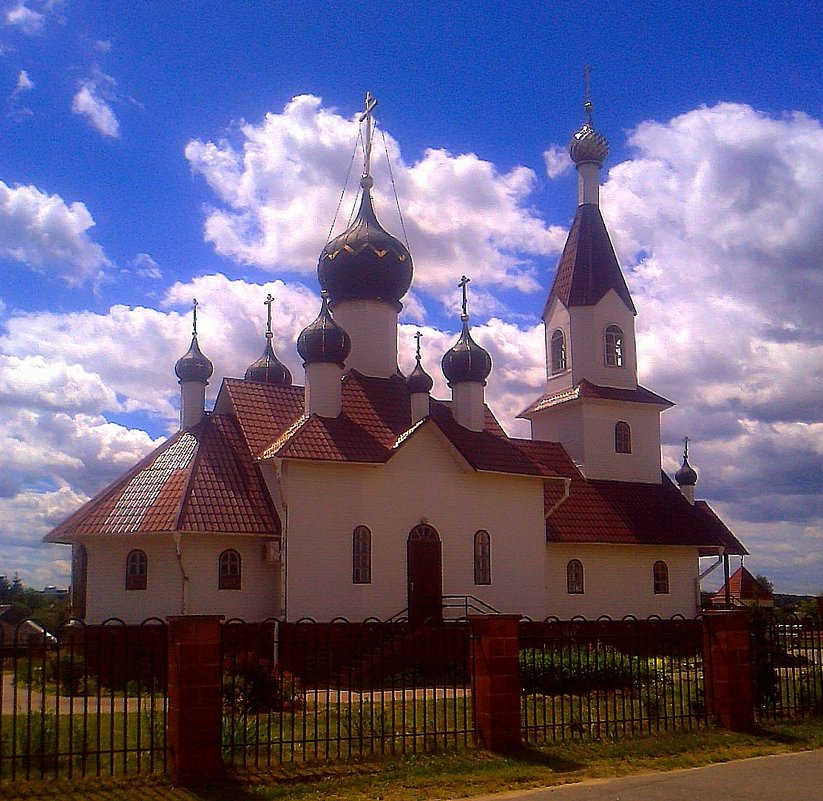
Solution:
(622, 438)
(558, 352)
(613, 342)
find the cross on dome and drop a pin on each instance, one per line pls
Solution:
(267, 303)
(685, 447)
(587, 105)
(366, 180)
(464, 282)
(418, 336)
(194, 305)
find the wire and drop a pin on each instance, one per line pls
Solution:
(394, 189)
(345, 186)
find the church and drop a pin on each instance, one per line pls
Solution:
(360, 495)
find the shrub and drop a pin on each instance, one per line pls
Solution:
(253, 685)
(588, 667)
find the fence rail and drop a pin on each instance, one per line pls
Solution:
(787, 665)
(589, 679)
(86, 700)
(308, 691)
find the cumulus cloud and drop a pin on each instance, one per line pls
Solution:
(146, 267)
(557, 161)
(462, 215)
(26, 19)
(43, 232)
(24, 83)
(93, 101)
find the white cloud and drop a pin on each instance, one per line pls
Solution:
(93, 101)
(24, 83)
(557, 161)
(146, 267)
(102, 46)
(25, 19)
(43, 232)
(461, 214)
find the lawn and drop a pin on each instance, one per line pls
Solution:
(442, 776)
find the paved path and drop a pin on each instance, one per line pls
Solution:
(784, 777)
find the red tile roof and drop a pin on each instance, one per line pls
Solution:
(200, 480)
(588, 268)
(585, 389)
(743, 586)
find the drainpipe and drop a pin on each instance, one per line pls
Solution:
(567, 483)
(184, 585)
(728, 598)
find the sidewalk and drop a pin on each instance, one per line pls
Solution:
(788, 777)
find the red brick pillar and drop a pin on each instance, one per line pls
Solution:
(496, 681)
(727, 668)
(195, 711)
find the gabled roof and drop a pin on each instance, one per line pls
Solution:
(585, 389)
(588, 268)
(200, 480)
(743, 586)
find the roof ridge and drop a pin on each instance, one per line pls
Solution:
(182, 506)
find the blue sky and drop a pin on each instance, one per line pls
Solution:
(157, 151)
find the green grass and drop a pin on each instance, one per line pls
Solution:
(439, 776)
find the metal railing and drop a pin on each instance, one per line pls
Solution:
(465, 605)
(85, 700)
(787, 664)
(306, 691)
(588, 679)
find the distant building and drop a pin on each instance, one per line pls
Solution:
(744, 590)
(361, 495)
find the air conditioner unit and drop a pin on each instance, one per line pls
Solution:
(271, 551)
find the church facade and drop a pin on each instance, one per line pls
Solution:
(360, 495)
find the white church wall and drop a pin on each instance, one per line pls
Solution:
(107, 596)
(425, 482)
(600, 461)
(372, 326)
(618, 580)
(563, 424)
(588, 326)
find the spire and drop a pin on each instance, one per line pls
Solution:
(419, 380)
(194, 371)
(268, 368)
(466, 361)
(588, 150)
(686, 476)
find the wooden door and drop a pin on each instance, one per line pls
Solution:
(425, 575)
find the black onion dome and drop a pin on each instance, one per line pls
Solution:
(268, 368)
(466, 361)
(419, 380)
(588, 145)
(365, 262)
(686, 476)
(324, 341)
(193, 365)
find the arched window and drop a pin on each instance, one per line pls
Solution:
(230, 570)
(558, 349)
(482, 558)
(622, 438)
(613, 343)
(137, 570)
(574, 577)
(361, 555)
(661, 578)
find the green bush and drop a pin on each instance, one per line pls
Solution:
(253, 685)
(586, 668)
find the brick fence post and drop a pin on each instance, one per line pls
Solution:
(727, 668)
(496, 681)
(195, 706)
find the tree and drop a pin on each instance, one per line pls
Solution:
(765, 584)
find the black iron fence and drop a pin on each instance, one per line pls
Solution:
(589, 679)
(85, 700)
(309, 691)
(787, 664)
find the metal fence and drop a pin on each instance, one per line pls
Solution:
(589, 679)
(86, 700)
(310, 691)
(787, 665)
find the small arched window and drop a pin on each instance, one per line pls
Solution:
(230, 570)
(661, 578)
(613, 344)
(558, 352)
(574, 577)
(361, 556)
(482, 558)
(622, 438)
(137, 570)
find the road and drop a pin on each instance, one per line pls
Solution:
(787, 777)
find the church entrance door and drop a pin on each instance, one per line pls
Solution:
(425, 575)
